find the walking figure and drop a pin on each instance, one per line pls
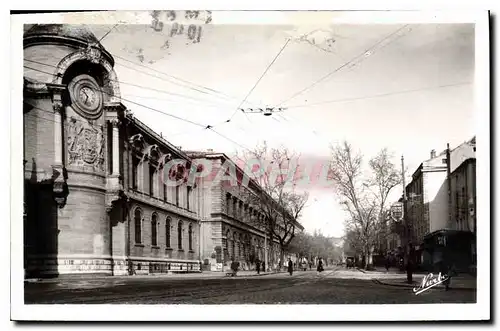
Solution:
(320, 266)
(387, 263)
(290, 266)
(257, 266)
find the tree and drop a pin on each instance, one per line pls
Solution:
(385, 178)
(278, 201)
(308, 246)
(365, 206)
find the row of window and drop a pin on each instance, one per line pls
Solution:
(155, 224)
(154, 177)
(239, 209)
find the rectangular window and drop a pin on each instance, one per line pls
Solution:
(164, 192)
(188, 196)
(228, 204)
(151, 180)
(135, 175)
(167, 232)
(154, 231)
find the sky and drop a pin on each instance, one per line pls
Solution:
(410, 93)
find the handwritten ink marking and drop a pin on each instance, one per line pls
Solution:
(430, 281)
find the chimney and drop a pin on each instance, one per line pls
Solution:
(433, 153)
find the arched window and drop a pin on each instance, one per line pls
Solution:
(167, 231)
(190, 233)
(179, 235)
(138, 225)
(154, 230)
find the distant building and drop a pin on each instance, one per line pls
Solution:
(430, 197)
(231, 227)
(463, 209)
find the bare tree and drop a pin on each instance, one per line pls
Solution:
(275, 199)
(385, 178)
(364, 196)
(353, 189)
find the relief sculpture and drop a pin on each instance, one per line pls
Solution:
(85, 144)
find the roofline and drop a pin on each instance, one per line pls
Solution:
(215, 155)
(464, 163)
(141, 125)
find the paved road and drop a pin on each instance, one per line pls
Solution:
(332, 287)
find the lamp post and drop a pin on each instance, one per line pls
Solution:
(406, 241)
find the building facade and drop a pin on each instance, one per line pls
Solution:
(95, 199)
(433, 197)
(232, 228)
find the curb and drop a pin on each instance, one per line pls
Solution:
(407, 286)
(256, 275)
(164, 276)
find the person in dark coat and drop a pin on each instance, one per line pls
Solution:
(320, 265)
(387, 263)
(263, 266)
(290, 266)
(257, 266)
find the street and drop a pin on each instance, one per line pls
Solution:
(334, 286)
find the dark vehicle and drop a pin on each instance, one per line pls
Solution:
(349, 263)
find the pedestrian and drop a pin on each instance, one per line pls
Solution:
(263, 266)
(387, 263)
(310, 265)
(409, 264)
(320, 266)
(257, 266)
(290, 266)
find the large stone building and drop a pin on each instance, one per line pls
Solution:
(432, 204)
(232, 226)
(95, 201)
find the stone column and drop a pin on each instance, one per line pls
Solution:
(57, 105)
(60, 189)
(115, 122)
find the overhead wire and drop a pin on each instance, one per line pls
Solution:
(180, 79)
(205, 127)
(107, 33)
(135, 103)
(136, 85)
(169, 80)
(377, 95)
(260, 78)
(172, 76)
(323, 78)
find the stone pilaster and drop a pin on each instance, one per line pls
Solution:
(60, 187)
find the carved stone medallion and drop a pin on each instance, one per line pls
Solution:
(85, 144)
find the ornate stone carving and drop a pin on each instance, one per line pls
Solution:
(154, 153)
(57, 106)
(93, 54)
(85, 144)
(115, 122)
(59, 186)
(137, 142)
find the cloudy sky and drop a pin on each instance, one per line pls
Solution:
(407, 88)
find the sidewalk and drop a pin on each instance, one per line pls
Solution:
(461, 282)
(90, 277)
(393, 271)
